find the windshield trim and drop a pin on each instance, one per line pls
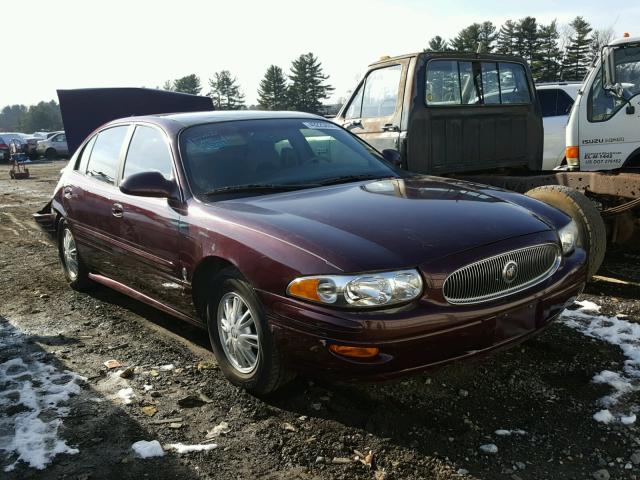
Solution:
(180, 154)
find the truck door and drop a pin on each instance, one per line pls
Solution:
(375, 110)
(609, 131)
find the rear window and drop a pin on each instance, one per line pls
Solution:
(453, 82)
(103, 163)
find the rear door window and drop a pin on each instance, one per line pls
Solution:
(148, 152)
(490, 83)
(514, 86)
(381, 92)
(564, 103)
(548, 99)
(453, 82)
(443, 82)
(103, 163)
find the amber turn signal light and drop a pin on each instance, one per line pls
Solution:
(305, 288)
(572, 152)
(354, 352)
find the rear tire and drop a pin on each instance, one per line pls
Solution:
(261, 371)
(51, 154)
(591, 228)
(75, 270)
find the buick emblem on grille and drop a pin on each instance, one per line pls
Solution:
(510, 271)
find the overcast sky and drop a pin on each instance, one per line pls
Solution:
(76, 44)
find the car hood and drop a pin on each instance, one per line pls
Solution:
(390, 223)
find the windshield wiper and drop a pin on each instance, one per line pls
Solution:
(350, 178)
(261, 187)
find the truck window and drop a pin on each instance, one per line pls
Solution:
(548, 99)
(490, 83)
(443, 82)
(514, 87)
(602, 105)
(381, 92)
(452, 82)
(355, 108)
(628, 70)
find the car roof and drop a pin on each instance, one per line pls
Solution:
(196, 118)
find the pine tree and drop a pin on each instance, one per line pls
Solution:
(168, 85)
(506, 39)
(273, 91)
(225, 92)
(188, 84)
(470, 37)
(437, 44)
(546, 63)
(577, 54)
(307, 88)
(526, 35)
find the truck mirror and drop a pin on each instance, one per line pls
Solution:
(609, 69)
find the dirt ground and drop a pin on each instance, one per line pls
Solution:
(429, 426)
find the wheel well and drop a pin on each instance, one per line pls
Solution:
(204, 272)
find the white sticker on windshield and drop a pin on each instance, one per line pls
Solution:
(321, 125)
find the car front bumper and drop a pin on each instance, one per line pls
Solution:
(418, 336)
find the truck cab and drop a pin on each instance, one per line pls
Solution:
(448, 112)
(603, 132)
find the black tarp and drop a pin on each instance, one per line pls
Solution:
(84, 110)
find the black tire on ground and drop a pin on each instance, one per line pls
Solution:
(591, 228)
(78, 280)
(269, 373)
(51, 154)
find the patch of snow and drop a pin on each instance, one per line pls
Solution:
(181, 448)
(628, 419)
(503, 433)
(147, 387)
(616, 331)
(37, 392)
(604, 416)
(127, 395)
(489, 448)
(146, 449)
(166, 368)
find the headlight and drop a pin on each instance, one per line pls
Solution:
(568, 237)
(364, 290)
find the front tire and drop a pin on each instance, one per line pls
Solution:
(51, 154)
(240, 336)
(75, 271)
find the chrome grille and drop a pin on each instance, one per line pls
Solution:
(485, 280)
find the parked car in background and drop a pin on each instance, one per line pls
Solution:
(556, 100)
(43, 135)
(298, 246)
(5, 143)
(54, 146)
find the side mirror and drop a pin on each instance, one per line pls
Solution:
(393, 156)
(149, 184)
(609, 81)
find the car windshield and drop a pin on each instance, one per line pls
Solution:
(266, 154)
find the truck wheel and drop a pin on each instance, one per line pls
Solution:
(51, 154)
(240, 336)
(592, 232)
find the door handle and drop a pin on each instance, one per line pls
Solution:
(68, 192)
(390, 127)
(117, 210)
(352, 124)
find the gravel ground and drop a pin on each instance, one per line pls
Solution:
(429, 426)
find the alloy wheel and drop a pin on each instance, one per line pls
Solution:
(70, 254)
(238, 332)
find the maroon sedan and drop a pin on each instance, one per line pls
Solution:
(301, 248)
